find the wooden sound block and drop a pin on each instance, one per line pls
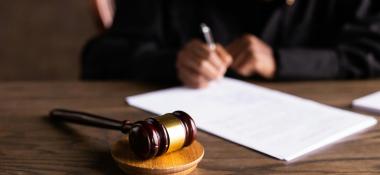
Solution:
(180, 162)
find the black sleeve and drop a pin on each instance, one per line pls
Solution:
(356, 54)
(133, 48)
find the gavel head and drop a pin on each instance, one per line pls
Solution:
(156, 136)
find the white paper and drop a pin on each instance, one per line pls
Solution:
(369, 103)
(269, 121)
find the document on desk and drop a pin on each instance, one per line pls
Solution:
(275, 123)
(369, 103)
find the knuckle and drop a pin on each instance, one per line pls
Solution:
(249, 39)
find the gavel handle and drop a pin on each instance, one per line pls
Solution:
(89, 119)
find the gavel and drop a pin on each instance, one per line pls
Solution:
(148, 138)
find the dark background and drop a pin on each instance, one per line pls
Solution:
(42, 39)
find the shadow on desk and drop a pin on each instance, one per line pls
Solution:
(100, 158)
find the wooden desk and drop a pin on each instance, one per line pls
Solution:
(32, 144)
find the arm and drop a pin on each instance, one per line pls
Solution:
(356, 54)
(135, 47)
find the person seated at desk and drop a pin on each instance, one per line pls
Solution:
(273, 39)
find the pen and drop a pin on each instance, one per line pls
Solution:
(208, 36)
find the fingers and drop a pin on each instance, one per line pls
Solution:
(226, 58)
(252, 55)
(239, 45)
(245, 63)
(198, 47)
(222, 59)
(239, 60)
(208, 63)
(235, 47)
(197, 64)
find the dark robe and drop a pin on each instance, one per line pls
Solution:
(311, 39)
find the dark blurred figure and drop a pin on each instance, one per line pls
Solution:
(160, 40)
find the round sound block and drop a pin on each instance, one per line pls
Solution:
(180, 162)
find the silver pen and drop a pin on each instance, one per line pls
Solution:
(208, 36)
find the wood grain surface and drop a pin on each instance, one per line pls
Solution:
(179, 162)
(32, 144)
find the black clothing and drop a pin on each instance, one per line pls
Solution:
(312, 39)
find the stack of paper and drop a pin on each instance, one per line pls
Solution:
(269, 121)
(369, 103)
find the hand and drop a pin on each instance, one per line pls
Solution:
(197, 64)
(251, 55)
